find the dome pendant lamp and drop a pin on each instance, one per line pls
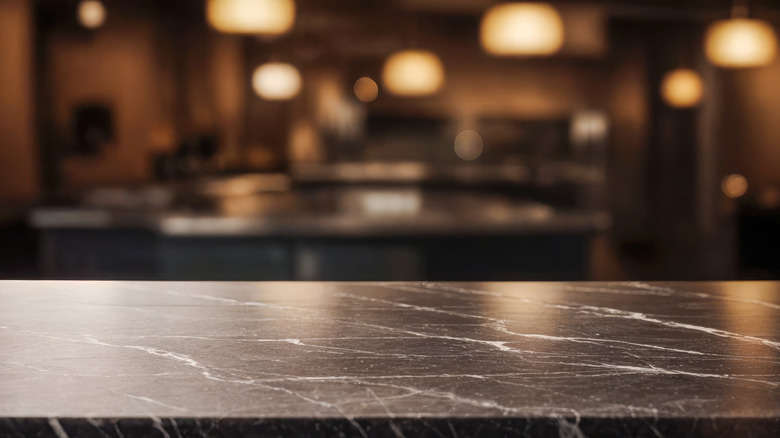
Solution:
(252, 17)
(522, 29)
(740, 42)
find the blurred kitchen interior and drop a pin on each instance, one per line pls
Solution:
(389, 140)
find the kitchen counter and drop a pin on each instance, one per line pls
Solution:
(198, 224)
(389, 359)
(316, 234)
(344, 212)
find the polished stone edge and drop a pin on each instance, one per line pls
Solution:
(367, 427)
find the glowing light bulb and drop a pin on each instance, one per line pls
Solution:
(91, 14)
(413, 73)
(522, 29)
(276, 81)
(740, 42)
(263, 17)
(366, 89)
(734, 185)
(468, 145)
(682, 88)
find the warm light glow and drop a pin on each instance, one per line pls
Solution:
(91, 14)
(264, 17)
(468, 145)
(522, 29)
(589, 126)
(385, 203)
(682, 88)
(734, 185)
(413, 73)
(382, 202)
(276, 81)
(770, 197)
(740, 42)
(245, 185)
(366, 89)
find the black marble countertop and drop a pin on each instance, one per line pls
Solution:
(389, 359)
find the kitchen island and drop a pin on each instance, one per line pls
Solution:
(389, 359)
(335, 234)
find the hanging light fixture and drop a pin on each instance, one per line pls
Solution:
(91, 14)
(740, 41)
(413, 73)
(366, 89)
(259, 17)
(530, 29)
(734, 186)
(276, 81)
(682, 88)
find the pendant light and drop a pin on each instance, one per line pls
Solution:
(682, 88)
(276, 81)
(525, 29)
(91, 14)
(366, 89)
(734, 186)
(413, 73)
(258, 17)
(740, 41)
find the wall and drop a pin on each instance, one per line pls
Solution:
(18, 170)
(750, 124)
(114, 65)
(629, 111)
(164, 77)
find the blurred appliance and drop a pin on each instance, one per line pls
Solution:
(93, 126)
(195, 156)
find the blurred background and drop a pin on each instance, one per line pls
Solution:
(389, 140)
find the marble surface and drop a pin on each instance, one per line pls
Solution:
(389, 359)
